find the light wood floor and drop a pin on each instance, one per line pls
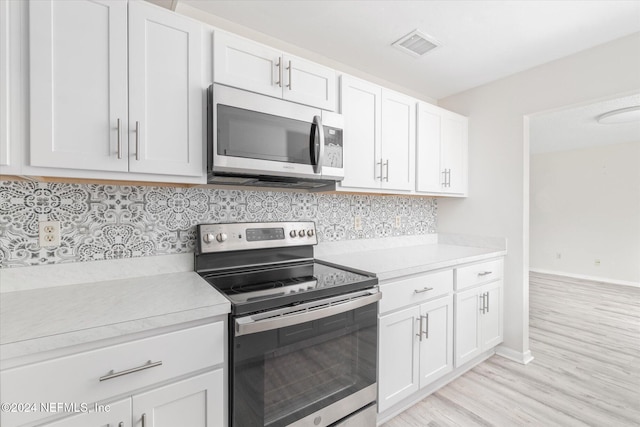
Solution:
(585, 338)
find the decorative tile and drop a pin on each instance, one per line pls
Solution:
(107, 221)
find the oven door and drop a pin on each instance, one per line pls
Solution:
(308, 365)
(259, 135)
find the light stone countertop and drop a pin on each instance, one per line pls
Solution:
(45, 319)
(52, 307)
(392, 258)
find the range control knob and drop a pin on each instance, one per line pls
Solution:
(310, 233)
(301, 233)
(208, 238)
(293, 233)
(221, 237)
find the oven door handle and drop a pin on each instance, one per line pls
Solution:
(304, 312)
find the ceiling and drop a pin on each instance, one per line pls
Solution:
(577, 127)
(481, 41)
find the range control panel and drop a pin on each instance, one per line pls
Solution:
(255, 235)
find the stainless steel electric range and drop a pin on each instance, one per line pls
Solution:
(302, 333)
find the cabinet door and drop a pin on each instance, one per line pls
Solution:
(309, 83)
(194, 402)
(166, 92)
(117, 414)
(436, 346)
(467, 320)
(398, 373)
(454, 151)
(492, 324)
(78, 84)
(360, 104)
(5, 153)
(429, 174)
(398, 141)
(244, 64)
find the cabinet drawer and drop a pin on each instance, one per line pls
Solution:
(476, 274)
(415, 290)
(87, 377)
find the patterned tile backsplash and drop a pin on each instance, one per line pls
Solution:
(107, 221)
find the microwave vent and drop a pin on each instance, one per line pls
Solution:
(416, 43)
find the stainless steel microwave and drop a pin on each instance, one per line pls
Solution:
(258, 140)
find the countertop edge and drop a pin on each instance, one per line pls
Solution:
(397, 274)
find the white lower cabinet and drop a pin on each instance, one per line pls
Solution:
(191, 402)
(194, 402)
(151, 378)
(399, 357)
(478, 318)
(425, 326)
(416, 343)
(436, 345)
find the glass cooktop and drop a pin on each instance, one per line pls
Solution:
(275, 286)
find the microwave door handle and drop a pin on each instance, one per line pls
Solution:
(318, 144)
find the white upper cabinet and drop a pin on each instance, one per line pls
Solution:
(115, 87)
(165, 92)
(248, 65)
(78, 63)
(379, 137)
(5, 136)
(361, 105)
(441, 151)
(398, 141)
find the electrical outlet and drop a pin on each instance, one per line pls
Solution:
(398, 221)
(49, 233)
(597, 262)
(357, 222)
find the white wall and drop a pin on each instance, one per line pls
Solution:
(499, 156)
(585, 205)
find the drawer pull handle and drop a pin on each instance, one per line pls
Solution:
(485, 273)
(147, 365)
(425, 289)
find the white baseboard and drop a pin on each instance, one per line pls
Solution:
(514, 355)
(585, 277)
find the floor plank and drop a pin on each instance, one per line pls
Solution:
(585, 338)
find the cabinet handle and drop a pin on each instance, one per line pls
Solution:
(289, 68)
(386, 177)
(379, 164)
(147, 365)
(448, 178)
(144, 420)
(279, 65)
(486, 298)
(137, 140)
(425, 289)
(482, 303)
(484, 273)
(426, 328)
(119, 140)
(444, 177)
(419, 334)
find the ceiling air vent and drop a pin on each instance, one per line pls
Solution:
(416, 43)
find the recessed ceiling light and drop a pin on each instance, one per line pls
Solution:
(622, 115)
(416, 43)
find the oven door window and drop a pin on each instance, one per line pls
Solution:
(282, 375)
